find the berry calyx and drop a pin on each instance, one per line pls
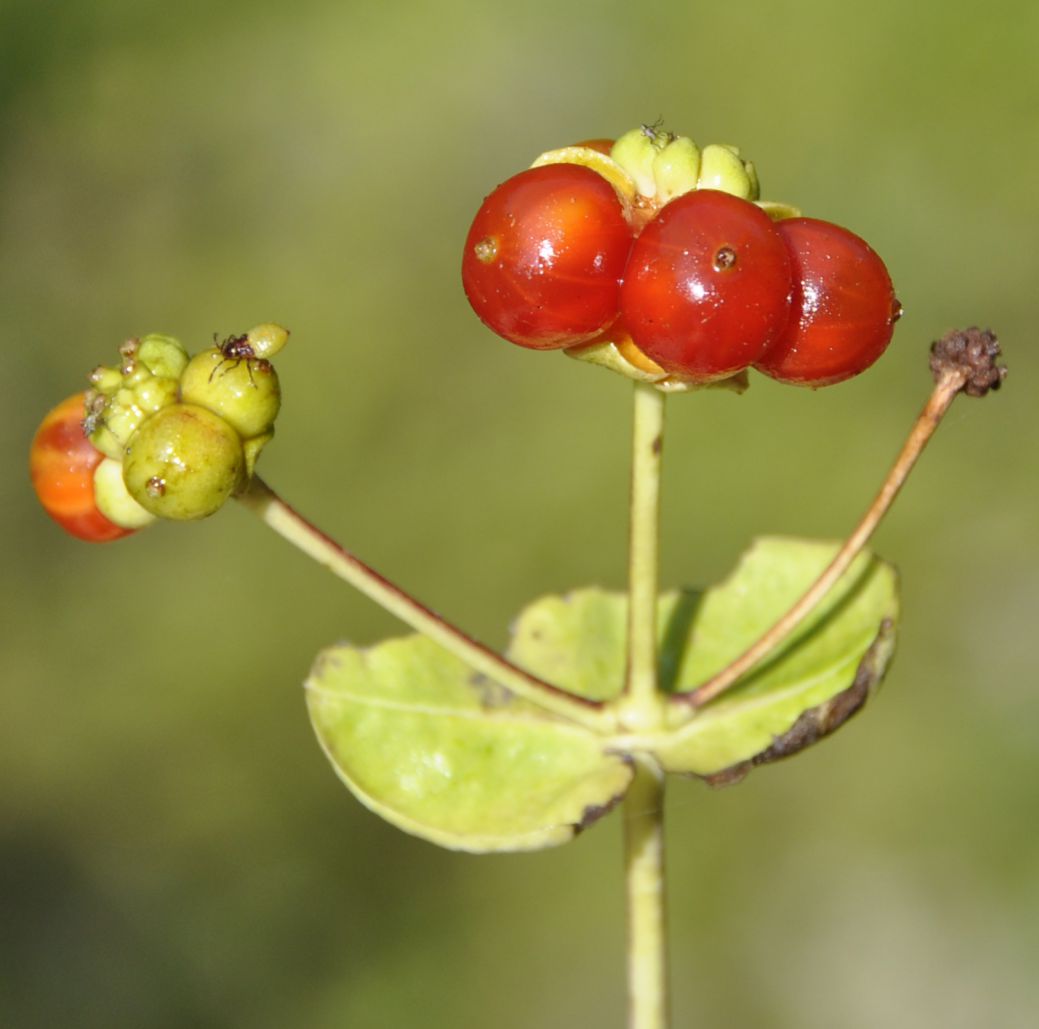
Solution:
(62, 463)
(708, 286)
(184, 462)
(844, 307)
(545, 255)
(266, 340)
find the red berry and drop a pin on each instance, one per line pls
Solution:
(62, 461)
(708, 286)
(844, 308)
(545, 255)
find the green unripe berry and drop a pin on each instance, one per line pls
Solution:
(252, 448)
(113, 499)
(722, 168)
(162, 356)
(243, 391)
(266, 339)
(183, 462)
(636, 151)
(121, 413)
(106, 380)
(676, 169)
(146, 380)
(752, 176)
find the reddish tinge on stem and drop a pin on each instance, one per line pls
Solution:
(964, 361)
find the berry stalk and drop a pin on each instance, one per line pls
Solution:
(963, 361)
(641, 707)
(294, 528)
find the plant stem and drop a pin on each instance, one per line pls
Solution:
(642, 707)
(644, 875)
(945, 391)
(293, 527)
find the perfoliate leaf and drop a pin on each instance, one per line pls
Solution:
(450, 756)
(443, 753)
(575, 642)
(805, 689)
(813, 683)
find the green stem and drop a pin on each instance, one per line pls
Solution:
(642, 707)
(294, 528)
(644, 874)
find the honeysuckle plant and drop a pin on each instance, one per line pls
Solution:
(658, 260)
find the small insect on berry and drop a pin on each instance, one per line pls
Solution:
(258, 344)
(235, 380)
(234, 350)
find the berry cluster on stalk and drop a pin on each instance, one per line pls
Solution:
(659, 259)
(160, 435)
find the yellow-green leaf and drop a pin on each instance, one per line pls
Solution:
(806, 689)
(447, 755)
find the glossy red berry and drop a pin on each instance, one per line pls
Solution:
(708, 286)
(844, 308)
(62, 461)
(545, 255)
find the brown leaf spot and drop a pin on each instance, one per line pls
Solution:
(818, 722)
(593, 812)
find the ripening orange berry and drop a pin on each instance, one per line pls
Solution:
(62, 461)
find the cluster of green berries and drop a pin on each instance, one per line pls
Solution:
(160, 435)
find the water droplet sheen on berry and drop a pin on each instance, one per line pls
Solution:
(545, 255)
(708, 286)
(844, 308)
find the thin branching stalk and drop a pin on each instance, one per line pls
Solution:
(294, 528)
(946, 389)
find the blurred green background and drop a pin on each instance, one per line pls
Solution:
(174, 849)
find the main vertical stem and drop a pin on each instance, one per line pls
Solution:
(643, 701)
(647, 921)
(642, 709)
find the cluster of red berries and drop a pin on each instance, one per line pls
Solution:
(705, 285)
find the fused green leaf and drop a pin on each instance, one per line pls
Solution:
(447, 755)
(808, 687)
(575, 642)
(578, 641)
(450, 756)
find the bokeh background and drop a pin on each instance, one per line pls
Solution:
(174, 850)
